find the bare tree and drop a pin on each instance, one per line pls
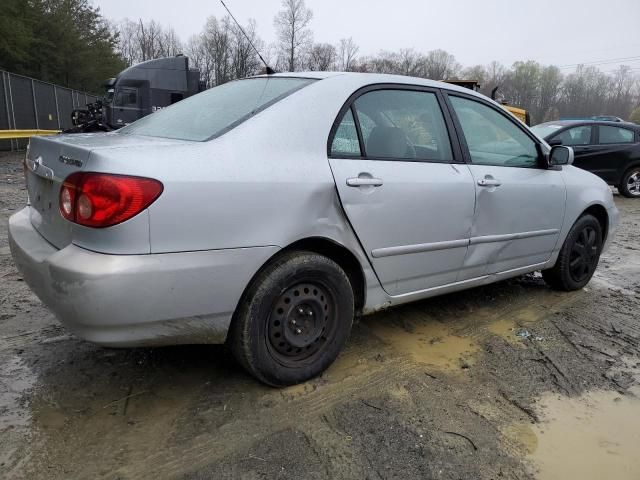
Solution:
(321, 57)
(140, 41)
(294, 35)
(440, 65)
(244, 61)
(127, 42)
(496, 73)
(221, 51)
(347, 51)
(200, 58)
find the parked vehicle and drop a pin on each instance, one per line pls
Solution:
(267, 212)
(138, 91)
(611, 150)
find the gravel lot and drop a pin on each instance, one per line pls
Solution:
(511, 380)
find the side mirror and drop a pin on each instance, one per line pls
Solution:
(555, 141)
(560, 155)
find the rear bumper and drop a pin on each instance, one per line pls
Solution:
(133, 300)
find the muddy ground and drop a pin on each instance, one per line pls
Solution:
(509, 381)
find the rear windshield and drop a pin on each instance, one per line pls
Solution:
(545, 129)
(217, 110)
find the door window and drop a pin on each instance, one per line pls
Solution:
(345, 140)
(492, 138)
(126, 97)
(403, 124)
(575, 136)
(615, 135)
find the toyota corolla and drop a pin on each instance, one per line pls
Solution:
(269, 212)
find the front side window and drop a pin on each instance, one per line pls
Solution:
(403, 124)
(345, 140)
(217, 110)
(126, 97)
(575, 136)
(615, 135)
(492, 138)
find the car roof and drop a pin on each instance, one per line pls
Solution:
(566, 123)
(372, 78)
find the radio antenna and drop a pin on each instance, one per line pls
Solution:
(268, 69)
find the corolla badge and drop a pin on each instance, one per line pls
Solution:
(70, 161)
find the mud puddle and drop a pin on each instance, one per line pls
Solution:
(428, 342)
(591, 437)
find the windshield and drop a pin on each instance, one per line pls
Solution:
(217, 110)
(545, 129)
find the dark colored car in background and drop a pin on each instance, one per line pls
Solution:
(610, 150)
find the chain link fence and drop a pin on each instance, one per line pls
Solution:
(30, 104)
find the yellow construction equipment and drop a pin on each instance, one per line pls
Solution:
(520, 113)
(11, 134)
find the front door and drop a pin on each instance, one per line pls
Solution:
(519, 204)
(409, 203)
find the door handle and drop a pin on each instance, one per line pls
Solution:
(363, 182)
(489, 182)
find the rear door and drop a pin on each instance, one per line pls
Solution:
(615, 148)
(519, 204)
(403, 186)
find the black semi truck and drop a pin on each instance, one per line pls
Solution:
(138, 91)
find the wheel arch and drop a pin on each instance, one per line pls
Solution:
(630, 166)
(601, 214)
(342, 256)
(337, 252)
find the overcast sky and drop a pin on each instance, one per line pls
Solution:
(560, 32)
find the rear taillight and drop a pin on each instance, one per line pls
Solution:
(102, 200)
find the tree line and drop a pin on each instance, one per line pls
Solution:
(69, 42)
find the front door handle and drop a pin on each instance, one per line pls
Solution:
(489, 182)
(364, 182)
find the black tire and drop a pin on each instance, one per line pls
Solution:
(293, 320)
(628, 187)
(578, 256)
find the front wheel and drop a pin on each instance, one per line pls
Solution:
(293, 320)
(630, 184)
(578, 256)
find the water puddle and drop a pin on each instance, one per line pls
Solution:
(595, 436)
(428, 342)
(506, 329)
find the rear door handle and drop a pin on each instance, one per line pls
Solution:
(489, 182)
(363, 182)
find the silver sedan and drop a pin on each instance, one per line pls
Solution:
(268, 212)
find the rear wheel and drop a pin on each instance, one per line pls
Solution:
(578, 256)
(294, 319)
(630, 184)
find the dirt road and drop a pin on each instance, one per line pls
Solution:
(512, 380)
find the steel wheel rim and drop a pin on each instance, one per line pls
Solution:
(633, 183)
(583, 254)
(301, 321)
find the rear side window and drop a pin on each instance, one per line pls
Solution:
(492, 138)
(615, 135)
(217, 110)
(345, 140)
(403, 124)
(575, 136)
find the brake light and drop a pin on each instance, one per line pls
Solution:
(102, 200)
